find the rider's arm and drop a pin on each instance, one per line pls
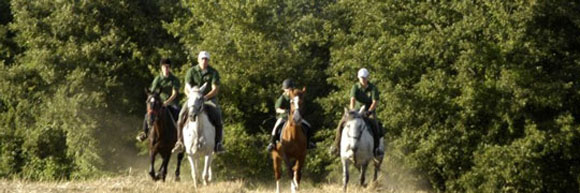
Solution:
(186, 89)
(352, 101)
(215, 83)
(352, 96)
(171, 98)
(375, 98)
(373, 105)
(188, 81)
(214, 91)
(278, 105)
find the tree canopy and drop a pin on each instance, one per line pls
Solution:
(475, 96)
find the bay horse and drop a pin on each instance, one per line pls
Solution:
(198, 135)
(162, 136)
(292, 145)
(356, 146)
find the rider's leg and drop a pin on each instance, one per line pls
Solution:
(214, 113)
(142, 136)
(377, 132)
(309, 133)
(275, 133)
(180, 124)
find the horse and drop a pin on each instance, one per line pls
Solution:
(162, 136)
(292, 145)
(198, 135)
(356, 146)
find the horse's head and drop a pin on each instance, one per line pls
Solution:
(296, 103)
(195, 101)
(354, 122)
(154, 105)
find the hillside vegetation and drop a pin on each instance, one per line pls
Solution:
(476, 96)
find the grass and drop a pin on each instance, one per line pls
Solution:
(142, 183)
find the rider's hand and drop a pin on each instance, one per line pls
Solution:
(367, 113)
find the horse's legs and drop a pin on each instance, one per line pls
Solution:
(290, 168)
(192, 164)
(345, 163)
(152, 154)
(277, 162)
(207, 170)
(166, 156)
(298, 172)
(179, 159)
(377, 168)
(363, 171)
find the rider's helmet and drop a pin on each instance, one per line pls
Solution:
(288, 83)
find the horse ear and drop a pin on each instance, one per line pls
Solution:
(303, 89)
(202, 88)
(362, 109)
(147, 91)
(345, 110)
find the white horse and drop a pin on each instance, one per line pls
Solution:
(356, 146)
(198, 135)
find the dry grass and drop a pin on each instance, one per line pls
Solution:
(141, 183)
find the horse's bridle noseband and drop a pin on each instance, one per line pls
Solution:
(357, 137)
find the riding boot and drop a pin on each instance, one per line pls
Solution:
(218, 138)
(377, 134)
(334, 149)
(143, 135)
(272, 143)
(179, 147)
(308, 132)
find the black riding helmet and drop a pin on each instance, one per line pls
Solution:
(288, 83)
(164, 61)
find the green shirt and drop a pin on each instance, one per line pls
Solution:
(364, 96)
(283, 102)
(165, 85)
(197, 77)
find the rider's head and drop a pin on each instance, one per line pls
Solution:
(288, 84)
(363, 76)
(165, 64)
(203, 59)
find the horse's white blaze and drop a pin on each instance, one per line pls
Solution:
(296, 101)
(199, 138)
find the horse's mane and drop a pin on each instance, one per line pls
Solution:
(353, 115)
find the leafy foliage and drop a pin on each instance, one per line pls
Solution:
(475, 96)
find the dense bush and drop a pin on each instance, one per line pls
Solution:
(475, 96)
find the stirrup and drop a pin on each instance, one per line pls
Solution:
(141, 137)
(311, 145)
(270, 147)
(379, 152)
(219, 148)
(179, 148)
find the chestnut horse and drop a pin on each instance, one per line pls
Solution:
(162, 136)
(292, 145)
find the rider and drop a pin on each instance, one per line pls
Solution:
(282, 110)
(168, 87)
(197, 76)
(367, 94)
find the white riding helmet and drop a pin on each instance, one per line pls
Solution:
(203, 54)
(363, 73)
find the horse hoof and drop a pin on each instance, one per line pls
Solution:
(177, 179)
